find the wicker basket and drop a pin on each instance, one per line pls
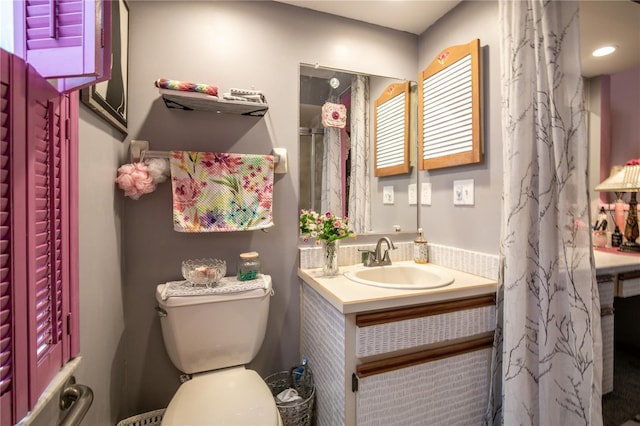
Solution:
(151, 418)
(296, 413)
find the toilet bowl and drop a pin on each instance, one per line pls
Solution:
(234, 396)
(212, 337)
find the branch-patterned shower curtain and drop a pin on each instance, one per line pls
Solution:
(547, 364)
(331, 200)
(359, 189)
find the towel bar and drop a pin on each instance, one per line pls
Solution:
(139, 149)
(77, 399)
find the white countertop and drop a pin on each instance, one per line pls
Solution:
(608, 262)
(351, 297)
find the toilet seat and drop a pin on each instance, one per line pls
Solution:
(233, 396)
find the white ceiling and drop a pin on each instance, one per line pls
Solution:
(601, 22)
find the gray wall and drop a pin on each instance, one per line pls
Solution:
(475, 227)
(625, 107)
(229, 44)
(102, 323)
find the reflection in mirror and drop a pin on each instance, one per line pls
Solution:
(336, 163)
(391, 130)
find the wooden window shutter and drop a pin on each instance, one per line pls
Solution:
(46, 267)
(65, 39)
(6, 299)
(13, 291)
(71, 111)
(39, 326)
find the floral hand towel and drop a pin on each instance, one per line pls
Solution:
(221, 192)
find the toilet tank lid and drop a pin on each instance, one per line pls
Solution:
(189, 300)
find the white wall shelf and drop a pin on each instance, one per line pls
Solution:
(192, 101)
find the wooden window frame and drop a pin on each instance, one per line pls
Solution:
(400, 125)
(446, 59)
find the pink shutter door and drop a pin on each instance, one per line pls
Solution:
(72, 107)
(65, 39)
(61, 38)
(6, 299)
(13, 365)
(69, 84)
(44, 233)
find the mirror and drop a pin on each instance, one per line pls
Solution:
(337, 163)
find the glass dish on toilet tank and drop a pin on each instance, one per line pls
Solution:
(203, 271)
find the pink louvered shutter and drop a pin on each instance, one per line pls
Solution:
(71, 106)
(6, 299)
(46, 269)
(13, 289)
(65, 39)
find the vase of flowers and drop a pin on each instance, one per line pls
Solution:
(329, 258)
(326, 229)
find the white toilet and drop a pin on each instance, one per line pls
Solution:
(212, 337)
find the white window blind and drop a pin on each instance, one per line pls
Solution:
(447, 111)
(390, 144)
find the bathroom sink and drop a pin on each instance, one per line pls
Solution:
(413, 277)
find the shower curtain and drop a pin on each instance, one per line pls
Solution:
(359, 189)
(547, 362)
(331, 200)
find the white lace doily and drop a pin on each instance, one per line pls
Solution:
(224, 286)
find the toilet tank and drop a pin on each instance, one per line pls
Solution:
(210, 332)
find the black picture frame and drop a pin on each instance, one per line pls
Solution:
(108, 99)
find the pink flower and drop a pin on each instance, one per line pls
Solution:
(633, 162)
(135, 180)
(185, 194)
(265, 198)
(215, 163)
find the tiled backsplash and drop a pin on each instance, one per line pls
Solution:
(472, 262)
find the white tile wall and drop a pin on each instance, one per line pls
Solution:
(472, 262)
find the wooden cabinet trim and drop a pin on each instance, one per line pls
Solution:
(605, 311)
(629, 275)
(408, 360)
(604, 278)
(401, 314)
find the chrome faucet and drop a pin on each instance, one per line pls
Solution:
(381, 258)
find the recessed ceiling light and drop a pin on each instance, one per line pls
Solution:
(604, 51)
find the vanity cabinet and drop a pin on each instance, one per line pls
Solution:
(628, 284)
(606, 286)
(426, 363)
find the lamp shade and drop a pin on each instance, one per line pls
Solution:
(626, 179)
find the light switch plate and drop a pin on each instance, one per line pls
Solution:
(413, 194)
(463, 192)
(425, 193)
(387, 195)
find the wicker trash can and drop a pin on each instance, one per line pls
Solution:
(295, 413)
(151, 418)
